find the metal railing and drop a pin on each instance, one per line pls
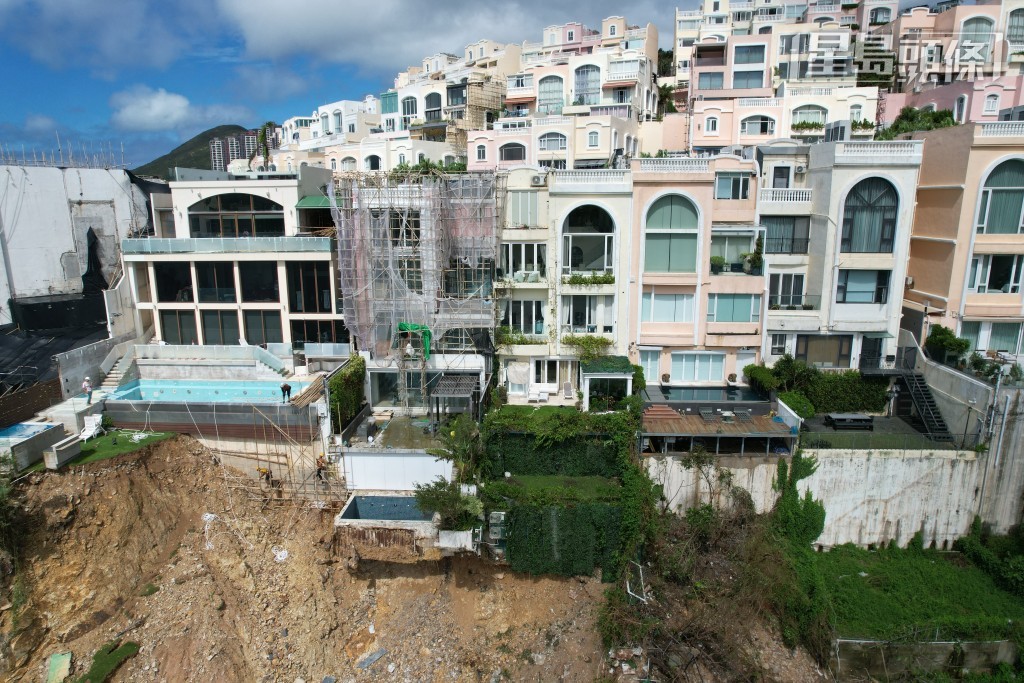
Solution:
(793, 194)
(877, 441)
(208, 353)
(214, 245)
(786, 245)
(778, 303)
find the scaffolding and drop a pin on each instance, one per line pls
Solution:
(485, 96)
(418, 249)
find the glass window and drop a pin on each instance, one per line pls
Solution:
(650, 361)
(971, 331)
(734, 308)
(995, 273)
(975, 40)
(785, 290)
(588, 314)
(220, 327)
(749, 54)
(1004, 337)
(711, 80)
(173, 281)
(832, 351)
(671, 236)
(588, 85)
(1002, 199)
(786, 234)
(698, 367)
(757, 125)
(666, 308)
(234, 215)
(179, 327)
(748, 79)
(481, 153)
(512, 152)
(309, 287)
(711, 125)
(262, 327)
(526, 317)
(863, 287)
(810, 114)
(552, 142)
(521, 209)
(524, 261)
(869, 217)
(992, 104)
(215, 281)
(778, 344)
(259, 281)
(549, 95)
(856, 112)
(732, 185)
(592, 138)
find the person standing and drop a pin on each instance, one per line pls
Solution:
(87, 388)
(286, 392)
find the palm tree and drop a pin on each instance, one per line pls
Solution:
(263, 139)
(666, 103)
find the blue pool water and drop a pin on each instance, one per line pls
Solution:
(22, 431)
(394, 508)
(204, 391)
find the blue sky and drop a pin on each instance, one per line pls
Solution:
(150, 74)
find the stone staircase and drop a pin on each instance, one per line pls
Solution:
(113, 378)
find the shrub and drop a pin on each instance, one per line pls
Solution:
(761, 378)
(799, 403)
(844, 392)
(944, 346)
(347, 391)
(457, 511)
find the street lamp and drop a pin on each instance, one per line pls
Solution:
(970, 407)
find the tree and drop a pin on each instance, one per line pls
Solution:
(666, 63)
(911, 119)
(263, 139)
(458, 512)
(666, 103)
(461, 445)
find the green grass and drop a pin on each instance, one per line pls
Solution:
(103, 448)
(107, 659)
(909, 593)
(588, 488)
(872, 441)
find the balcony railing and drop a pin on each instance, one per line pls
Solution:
(824, 9)
(760, 102)
(769, 18)
(1003, 129)
(794, 302)
(899, 152)
(552, 121)
(810, 92)
(670, 165)
(213, 245)
(636, 33)
(622, 111)
(740, 6)
(525, 91)
(786, 245)
(595, 177)
(517, 130)
(785, 195)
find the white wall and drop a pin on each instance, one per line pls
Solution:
(392, 470)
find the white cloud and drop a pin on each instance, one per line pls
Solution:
(388, 35)
(141, 108)
(38, 123)
(267, 83)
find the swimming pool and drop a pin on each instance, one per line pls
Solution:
(389, 508)
(17, 433)
(204, 391)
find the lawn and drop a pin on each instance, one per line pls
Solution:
(103, 447)
(902, 593)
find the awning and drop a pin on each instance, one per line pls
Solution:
(878, 335)
(316, 201)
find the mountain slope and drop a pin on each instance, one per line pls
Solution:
(192, 154)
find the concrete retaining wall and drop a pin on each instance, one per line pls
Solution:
(864, 660)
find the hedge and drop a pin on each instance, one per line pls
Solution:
(798, 402)
(761, 378)
(847, 392)
(347, 391)
(568, 540)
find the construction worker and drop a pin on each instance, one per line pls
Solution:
(87, 390)
(286, 392)
(265, 474)
(321, 468)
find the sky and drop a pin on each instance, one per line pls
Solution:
(150, 74)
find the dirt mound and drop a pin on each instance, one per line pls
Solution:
(215, 586)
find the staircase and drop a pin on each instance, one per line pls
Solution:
(921, 396)
(113, 378)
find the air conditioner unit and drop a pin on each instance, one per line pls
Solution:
(537, 181)
(801, 169)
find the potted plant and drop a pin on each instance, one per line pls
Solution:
(756, 258)
(732, 379)
(666, 378)
(717, 263)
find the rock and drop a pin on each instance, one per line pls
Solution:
(218, 603)
(391, 668)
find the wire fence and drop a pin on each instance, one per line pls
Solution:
(874, 441)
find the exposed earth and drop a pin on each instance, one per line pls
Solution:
(155, 548)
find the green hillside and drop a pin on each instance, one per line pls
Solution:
(192, 154)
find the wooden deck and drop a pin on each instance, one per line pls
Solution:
(661, 420)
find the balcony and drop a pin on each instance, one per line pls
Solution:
(736, 268)
(225, 245)
(785, 303)
(785, 200)
(810, 92)
(622, 111)
(636, 33)
(759, 102)
(552, 121)
(674, 165)
(769, 18)
(1001, 129)
(824, 9)
(602, 181)
(895, 153)
(740, 6)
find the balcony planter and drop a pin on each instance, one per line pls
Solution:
(773, 307)
(717, 263)
(666, 378)
(808, 307)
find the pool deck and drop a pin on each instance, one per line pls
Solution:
(402, 432)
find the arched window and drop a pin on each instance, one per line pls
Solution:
(928, 107)
(611, 30)
(471, 55)
(588, 85)
(757, 125)
(711, 125)
(960, 109)
(421, 157)
(324, 126)
(481, 153)
(869, 218)
(1002, 200)
(401, 159)
(512, 152)
(856, 112)
(552, 142)
(236, 215)
(587, 240)
(373, 163)
(764, 29)
(810, 115)
(408, 111)
(973, 32)
(593, 139)
(334, 164)
(432, 103)
(449, 160)
(348, 164)
(880, 15)
(1015, 28)
(549, 95)
(670, 236)
(992, 103)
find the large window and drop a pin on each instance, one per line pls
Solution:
(552, 142)
(173, 281)
(408, 111)
(178, 327)
(670, 240)
(869, 217)
(522, 209)
(863, 287)
(757, 125)
(747, 79)
(880, 15)
(588, 314)
(1004, 337)
(550, 95)
(1002, 199)
(732, 185)
(810, 114)
(432, 104)
(732, 248)
(309, 287)
(216, 281)
(785, 290)
(734, 308)
(404, 228)
(975, 40)
(1015, 27)
(698, 367)
(236, 215)
(786, 234)
(524, 261)
(832, 351)
(666, 308)
(588, 240)
(588, 85)
(749, 54)
(995, 273)
(711, 81)
(220, 327)
(526, 317)
(512, 152)
(259, 281)
(556, 372)
(650, 361)
(319, 332)
(263, 327)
